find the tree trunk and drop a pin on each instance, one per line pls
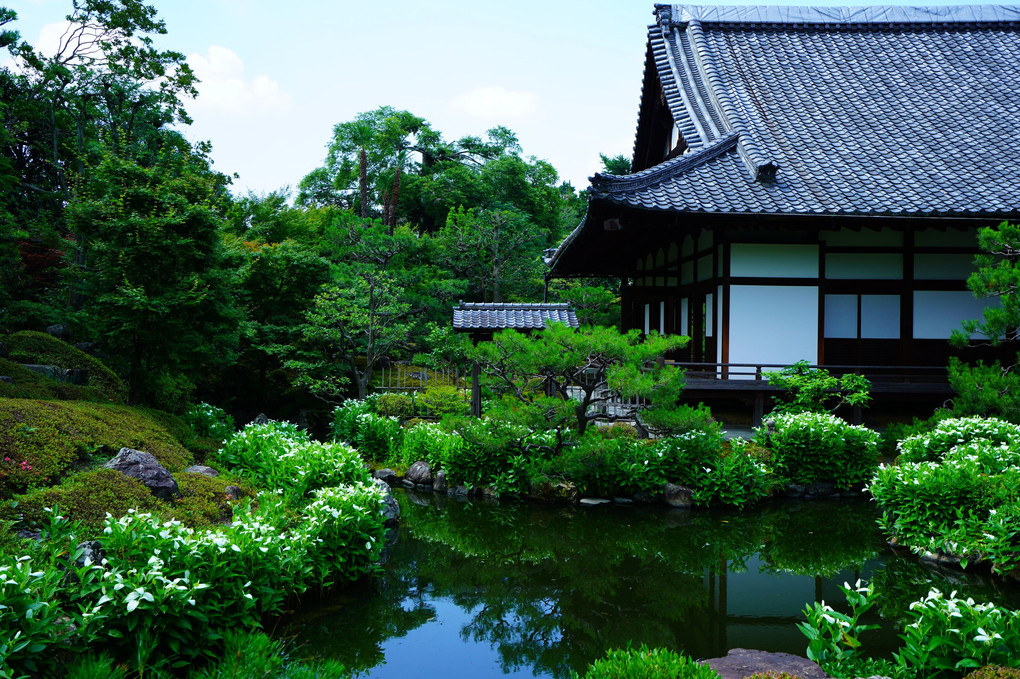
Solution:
(363, 180)
(393, 199)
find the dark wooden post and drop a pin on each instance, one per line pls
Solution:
(476, 391)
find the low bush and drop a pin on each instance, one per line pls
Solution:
(941, 635)
(376, 437)
(951, 634)
(208, 421)
(279, 455)
(954, 491)
(680, 420)
(428, 441)
(949, 433)
(995, 672)
(819, 447)
(40, 348)
(394, 405)
(439, 400)
(619, 430)
(646, 663)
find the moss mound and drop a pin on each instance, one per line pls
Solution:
(54, 438)
(87, 497)
(37, 347)
(29, 384)
(203, 500)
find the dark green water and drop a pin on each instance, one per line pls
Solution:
(476, 589)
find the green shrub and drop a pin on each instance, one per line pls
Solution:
(679, 420)
(203, 501)
(29, 384)
(430, 442)
(985, 390)
(814, 390)
(605, 467)
(619, 430)
(208, 421)
(812, 447)
(963, 502)
(897, 431)
(374, 436)
(951, 634)
(489, 448)
(947, 434)
(278, 455)
(439, 400)
(394, 405)
(87, 498)
(645, 663)
(38, 347)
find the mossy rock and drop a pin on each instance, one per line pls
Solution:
(87, 497)
(37, 347)
(55, 437)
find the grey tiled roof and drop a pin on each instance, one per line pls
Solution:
(866, 111)
(521, 316)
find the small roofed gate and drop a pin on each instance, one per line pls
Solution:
(482, 320)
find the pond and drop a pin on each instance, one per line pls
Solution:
(487, 589)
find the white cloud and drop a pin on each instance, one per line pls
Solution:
(224, 87)
(496, 102)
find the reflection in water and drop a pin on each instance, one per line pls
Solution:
(485, 589)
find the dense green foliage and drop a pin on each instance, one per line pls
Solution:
(943, 635)
(954, 491)
(645, 663)
(166, 592)
(991, 390)
(815, 390)
(812, 447)
(562, 377)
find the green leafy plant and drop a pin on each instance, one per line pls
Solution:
(374, 436)
(394, 405)
(646, 663)
(815, 390)
(279, 455)
(835, 636)
(814, 447)
(440, 399)
(209, 421)
(948, 633)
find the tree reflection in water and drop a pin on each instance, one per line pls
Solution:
(514, 588)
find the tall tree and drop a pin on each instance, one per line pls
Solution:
(992, 390)
(495, 250)
(156, 295)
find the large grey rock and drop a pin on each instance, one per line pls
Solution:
(387, 475)
(821, 489)
(144, 467)
(419, 472)
(678, 496)
(439, 482)
(390, 510)
(92, 551)
(201, 469)
(233, 492)
(6, 380)
(60, 331)
(260, 419)
(52, 371)
(594, 501)
(743, 662)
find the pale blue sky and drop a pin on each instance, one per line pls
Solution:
(564, 74)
